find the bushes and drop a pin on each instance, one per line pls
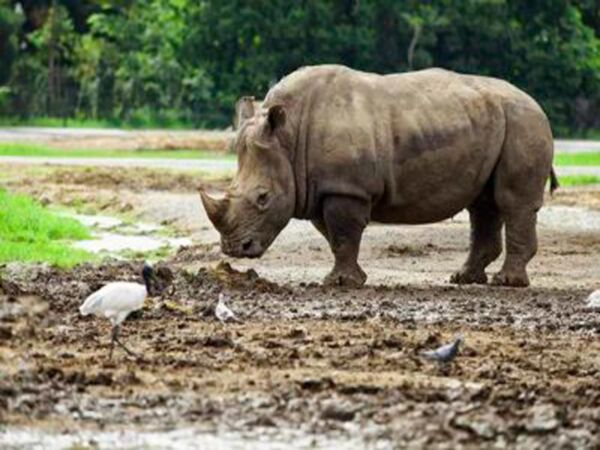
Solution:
(180, 62)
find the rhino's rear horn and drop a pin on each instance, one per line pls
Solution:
(215, 208)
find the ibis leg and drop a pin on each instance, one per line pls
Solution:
(115, 339)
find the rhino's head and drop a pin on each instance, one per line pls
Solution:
(261, 198)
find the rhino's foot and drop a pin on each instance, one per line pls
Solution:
(464, 276)
(354, 277)
(512, 279)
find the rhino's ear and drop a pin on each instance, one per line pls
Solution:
(244, 110)
(276, 117)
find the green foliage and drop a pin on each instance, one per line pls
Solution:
(174, 62)
(30, 233)
(9, 22)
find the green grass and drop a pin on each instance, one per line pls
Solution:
(41, 151)
(578, 180)
(30, 233)
(577, 159)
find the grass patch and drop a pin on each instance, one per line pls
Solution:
(577, 159)
(31, 150)
(578, 180)
(30, 233)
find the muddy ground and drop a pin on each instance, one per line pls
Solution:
(308, 360)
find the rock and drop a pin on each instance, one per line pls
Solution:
(44, 200)
(485, 426)
(318, 384)
(297, 333)
(543, 418)
(481, 429)
(100, 379)
(262, 421)
(5, 333)
(338, 411)
(359, 389)
(218, 341)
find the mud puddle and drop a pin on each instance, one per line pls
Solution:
(112, 236)
(267, 438)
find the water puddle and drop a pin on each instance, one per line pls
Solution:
(116, 243)
(114, 236)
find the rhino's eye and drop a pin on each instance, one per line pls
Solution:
(262, 199)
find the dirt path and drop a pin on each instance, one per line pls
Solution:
(310, 361)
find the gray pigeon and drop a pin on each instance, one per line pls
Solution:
(223, 313)
(593, 301)
(445, 353)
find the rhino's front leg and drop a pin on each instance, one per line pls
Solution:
(345, 219)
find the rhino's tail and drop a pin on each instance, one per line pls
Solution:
(554, 184)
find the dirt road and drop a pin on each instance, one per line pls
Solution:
(334, 366)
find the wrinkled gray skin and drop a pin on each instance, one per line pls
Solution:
(342, 148)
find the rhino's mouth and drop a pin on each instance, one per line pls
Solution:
(245, 248)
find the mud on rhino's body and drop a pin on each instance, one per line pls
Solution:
(341, 148)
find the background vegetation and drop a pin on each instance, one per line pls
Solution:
(184, 62)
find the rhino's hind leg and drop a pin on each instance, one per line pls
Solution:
(519, 181)
(486, 241)
(345, 220)
(521, 246)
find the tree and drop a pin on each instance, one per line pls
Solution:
(9, 23)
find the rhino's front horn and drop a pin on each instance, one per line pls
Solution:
(215, 209)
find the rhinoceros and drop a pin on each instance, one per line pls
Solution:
(341, 148)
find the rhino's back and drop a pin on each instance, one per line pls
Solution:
(420, 146)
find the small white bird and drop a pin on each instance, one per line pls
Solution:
(593, 301)
(116, 301)
(445, 353)
(223, 313)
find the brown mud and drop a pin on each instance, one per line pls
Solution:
(320, 360)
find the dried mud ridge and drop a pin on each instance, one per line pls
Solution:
(306, 357)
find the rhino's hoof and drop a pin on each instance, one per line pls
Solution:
(512, 279)
(354, 278)
(466, 277)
